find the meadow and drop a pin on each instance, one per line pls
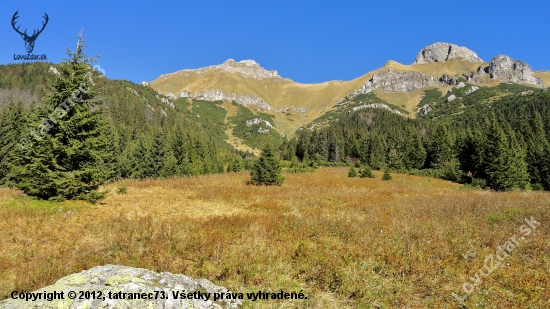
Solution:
(345, 242)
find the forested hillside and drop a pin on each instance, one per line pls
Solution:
(146, 137)
(501, 145)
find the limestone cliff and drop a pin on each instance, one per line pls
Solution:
(219, 95)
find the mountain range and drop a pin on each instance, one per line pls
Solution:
(246, 106)
(438, 67)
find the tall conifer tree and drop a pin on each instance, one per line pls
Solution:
(504, 160)
(12, 125)
(68, 156)
(267, 170)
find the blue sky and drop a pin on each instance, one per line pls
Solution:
(307, 41)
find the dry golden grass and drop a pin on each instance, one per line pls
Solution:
(347, 242)
(544, 76)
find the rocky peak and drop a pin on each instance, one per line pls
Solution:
(247, 68)
(507, 69)
(441, 52)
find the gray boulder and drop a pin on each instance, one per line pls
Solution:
(125, 287)
(460, 85)
(451, 98)
(424, 110)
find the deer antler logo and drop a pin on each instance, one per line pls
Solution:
(29, 40)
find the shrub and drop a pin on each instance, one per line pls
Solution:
(122, 190)
(366, 172)
(386, 175)
(352, 172)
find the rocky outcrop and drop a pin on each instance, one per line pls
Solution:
(247, 68)
(397, 81)
(246, 100)
(115, 282)
(220, 95)
(470, 90)
(258, 120)
(300, 110)
(263, 123)
(526, 93)
(166, 101)
(441, 52)
(448, 79)
(504, 68)
(425, 109)
(451, 98)
(460, 85)
(376, 105)
(53, 70)
(480, 72)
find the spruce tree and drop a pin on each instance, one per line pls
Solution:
(538, 154)
(12, 126)
(376, 155)
(352, 172)
(170, 167)
(415, 153)
(366, 172)
(386, 175)
(157, 153)
(236, 166)
(68, 155)
(519, 176)
(267, 170)
(505, 160)
(142, 165)
(440, 147)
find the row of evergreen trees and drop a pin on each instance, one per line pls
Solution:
(502, 150)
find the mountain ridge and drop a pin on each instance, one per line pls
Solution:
(439, 66)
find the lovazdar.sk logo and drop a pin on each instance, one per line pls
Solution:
(29, 39)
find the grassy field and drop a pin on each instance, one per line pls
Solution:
(346, 242)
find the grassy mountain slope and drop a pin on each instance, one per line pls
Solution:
(277, 92)
(544, 76)
(319, 99)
